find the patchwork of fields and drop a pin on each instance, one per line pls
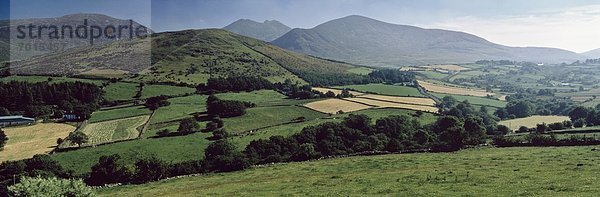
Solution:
(26, 141)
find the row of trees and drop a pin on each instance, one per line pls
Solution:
(46, 99)
(523, 105)
(585, 116)
(234, 84)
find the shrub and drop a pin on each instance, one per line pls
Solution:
(151, 169)
(579, 123)
(52, 186)
(188, 126)
(108, 171)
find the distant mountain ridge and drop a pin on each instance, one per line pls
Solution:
(267, 31)
(592, 54)
(366, 41)
(9, 31)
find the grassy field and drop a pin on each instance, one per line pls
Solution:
(181, 107)
(360, 70)
(472, 172)
(120, 91)
(334, 105)
(118, 113)
(433, 74)
(532, 121)
(27, 141)
(172, 149)
(474, 100)
(157, 90)
(113, 130)
(268, 116)
(392, 90)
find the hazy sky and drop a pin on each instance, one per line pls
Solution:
(568, 24)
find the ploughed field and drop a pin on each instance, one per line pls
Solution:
(522, 171)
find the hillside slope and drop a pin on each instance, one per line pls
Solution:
(592, 54)
(190, 56)
(366, 41)
(45, 44)
(266, 31)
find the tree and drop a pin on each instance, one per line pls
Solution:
(38, 186)
(579, 112)
(541, 128)
(150, 169)
(154, 103)
(78, 138)
(211, 126)
(451, 133)
(501, 130)
(59, 141)
(474, 130)
(329, 94)
(523, 129)
(361, 122)
(188, 126)
(220, 134)
(3, 139)
(520, 109)
(222, 156)
(4, 112)
(579, 123)
(108, 171)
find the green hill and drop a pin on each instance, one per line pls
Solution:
(190, 56)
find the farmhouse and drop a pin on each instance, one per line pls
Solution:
(15, 120)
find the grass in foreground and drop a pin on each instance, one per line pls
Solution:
(473, 172)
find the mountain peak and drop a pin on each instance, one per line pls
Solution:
(266, 31)
(366, 41)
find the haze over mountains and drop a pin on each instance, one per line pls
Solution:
(9, 31)
(266, 31)
(592, 54)
(361, 40)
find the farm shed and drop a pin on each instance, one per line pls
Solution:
(15, 120)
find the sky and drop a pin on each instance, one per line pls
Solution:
(566, 24)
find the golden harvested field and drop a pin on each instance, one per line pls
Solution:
(336, 91)
(405, 100)
(447, 67)
(453, 90)
(332, 106)
(113, 130)
(383, 104)
(532, 121)
(25, 142)
(409, 68)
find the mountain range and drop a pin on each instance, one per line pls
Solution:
(266, 31)
(362, 40)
